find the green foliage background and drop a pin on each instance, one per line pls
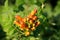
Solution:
(49, 28)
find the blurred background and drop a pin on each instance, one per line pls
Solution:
(49, 17)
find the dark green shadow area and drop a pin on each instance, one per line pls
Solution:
(2, 33)
(20, 8)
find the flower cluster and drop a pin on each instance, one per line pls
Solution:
(28, 23)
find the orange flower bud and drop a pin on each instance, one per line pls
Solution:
(21, 22)
(27, 33)
(33, 28)
(25, 19)
(34, 12)
(31, 21)
(28, 19)
(37, 23)
(17, 23)
(30, 16)
(18, 18)
(26, 28)
(33, 25)
(22, 27)
(34, 17)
